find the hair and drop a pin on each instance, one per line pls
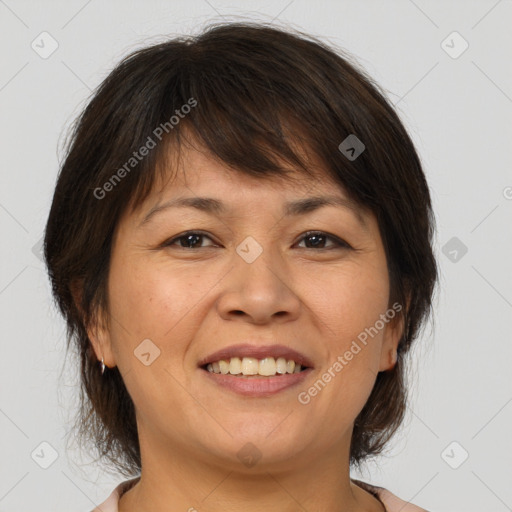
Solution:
(256, 94)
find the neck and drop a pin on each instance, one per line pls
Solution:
(174, 477)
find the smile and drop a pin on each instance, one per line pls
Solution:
(256, 385)
(245, 366)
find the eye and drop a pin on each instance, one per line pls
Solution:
(318, 239)
(188, 240)
(192, 239)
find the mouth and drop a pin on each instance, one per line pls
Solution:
(253, 367)
(256, 371)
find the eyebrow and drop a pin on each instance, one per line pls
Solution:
(216, 207)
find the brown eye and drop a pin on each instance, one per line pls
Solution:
(313, 240)
(188, 240)
(318, 239)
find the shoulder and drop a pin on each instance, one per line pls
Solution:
(389, 500)
(111, 503)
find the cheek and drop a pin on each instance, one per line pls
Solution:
(349, 305)
(148, 303)
(151, 299)
(350, 300)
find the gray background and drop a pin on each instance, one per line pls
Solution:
(458, 109)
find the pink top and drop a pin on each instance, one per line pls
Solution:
(390, 501)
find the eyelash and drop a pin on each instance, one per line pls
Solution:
(339, 243)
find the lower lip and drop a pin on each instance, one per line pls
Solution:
(258, 386)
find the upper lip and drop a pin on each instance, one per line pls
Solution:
(258, 352)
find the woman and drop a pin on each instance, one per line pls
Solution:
(240, 241)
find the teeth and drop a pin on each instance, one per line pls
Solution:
(251, 366)
(267, 366)
(281, 365)
(235, 366)
(224, 367)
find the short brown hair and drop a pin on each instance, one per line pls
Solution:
(251, 84)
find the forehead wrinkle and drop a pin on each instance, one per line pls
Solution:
(218, 208)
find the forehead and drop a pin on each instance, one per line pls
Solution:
(195, 170)
(201, 182)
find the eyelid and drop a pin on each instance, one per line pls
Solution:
(170, 241)
(339, 243)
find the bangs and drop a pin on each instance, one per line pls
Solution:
(253, 118)
(269, 155)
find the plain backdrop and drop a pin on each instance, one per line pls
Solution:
(447, 69)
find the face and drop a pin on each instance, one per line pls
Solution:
(250, 273)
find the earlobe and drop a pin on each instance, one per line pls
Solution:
(392, 358)
(97, 330)
(98, 342)
(392, 337)
(100, 339)
(388, 360)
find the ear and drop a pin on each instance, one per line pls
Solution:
(393, 332)
(97, 327)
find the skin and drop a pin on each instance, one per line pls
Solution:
(191, 302)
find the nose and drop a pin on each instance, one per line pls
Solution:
(259, 292)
